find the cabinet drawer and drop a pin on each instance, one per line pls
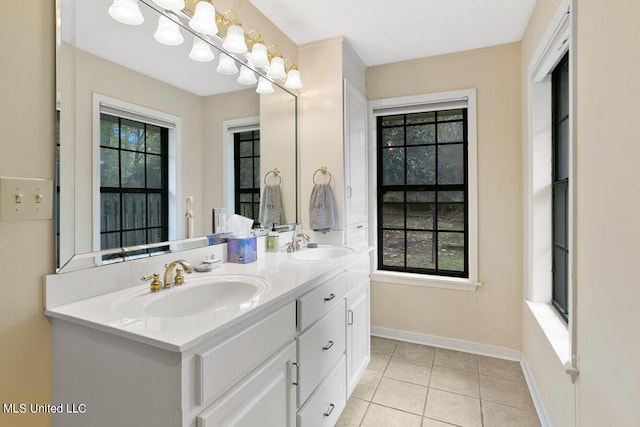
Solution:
(314, 304)
(319, 349)
(224, 365)
(326, 405)
(358, 273)
(265, 398)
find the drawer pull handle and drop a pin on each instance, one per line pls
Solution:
(332, 296)
(295, 365)
(328, 346)
(350, 317)
(330, 410)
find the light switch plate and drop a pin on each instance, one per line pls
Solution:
(25, 199)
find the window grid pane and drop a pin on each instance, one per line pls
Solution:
(422, 193)
(134, 164)
(247, 177)
(560, 186)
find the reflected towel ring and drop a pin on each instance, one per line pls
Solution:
(324, 170)
(275, 172)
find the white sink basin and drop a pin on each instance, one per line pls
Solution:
(197, 295)
(322, 253)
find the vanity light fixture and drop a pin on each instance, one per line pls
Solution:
(172, 5)
(227, 65)
(264, 86)
(249, 52)
(247, 77)
(259, 55)
(204, 19)
(126, 12)
(293, 76)
(276, 68)
(168, 32)
(234, 41)
(201, 51)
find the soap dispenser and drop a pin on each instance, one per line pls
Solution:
(273, 239)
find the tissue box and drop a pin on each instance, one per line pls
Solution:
(241, 251)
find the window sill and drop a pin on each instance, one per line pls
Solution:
(412, 279)
(554, 328)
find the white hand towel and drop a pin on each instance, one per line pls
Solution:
(322, 208)
(271, 211)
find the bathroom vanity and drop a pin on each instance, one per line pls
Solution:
(287, 355)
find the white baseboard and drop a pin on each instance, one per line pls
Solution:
(470, 347)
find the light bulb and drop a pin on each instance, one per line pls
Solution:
(246, 77)
(276, 70)
(168, 32)
(227, 65)
(293, 80)
(204, 19)
(234, 42)
(264, 86)
(126, 12)
(259, 56)
(201, 51)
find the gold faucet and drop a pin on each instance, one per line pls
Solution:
(294, 246)
(179, 279)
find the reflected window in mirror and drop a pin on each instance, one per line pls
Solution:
(247, 173)
(134, 182)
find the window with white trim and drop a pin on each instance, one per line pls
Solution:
(426, 189)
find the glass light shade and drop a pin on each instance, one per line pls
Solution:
(227, 65)
(264, 86)
(168, 32)
(259, 56)
(247, 77)
(293, 80)
(126, 12)
(234, 42)
(204, 19)
(276, 70)
(173, 5)
(201, 51)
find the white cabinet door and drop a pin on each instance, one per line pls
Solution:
(355, 152)
(358, 331)
(265, 398)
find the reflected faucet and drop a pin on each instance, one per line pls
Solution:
(168, 273)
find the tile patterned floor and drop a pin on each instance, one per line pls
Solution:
(412, 385)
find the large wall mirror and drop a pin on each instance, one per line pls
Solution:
(151, 142)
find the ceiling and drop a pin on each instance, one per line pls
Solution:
(383, 31)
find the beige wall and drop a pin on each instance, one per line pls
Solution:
(552, 383)
(217, 109)
(492, 314)
(321, 121)
(26, 248)
(608, 202)
(608, 386)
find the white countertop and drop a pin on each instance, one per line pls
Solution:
(288, 279)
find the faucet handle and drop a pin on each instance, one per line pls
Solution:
(179, 278)
(156, 285)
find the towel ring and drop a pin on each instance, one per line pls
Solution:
(324, 170)
(275, 172)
